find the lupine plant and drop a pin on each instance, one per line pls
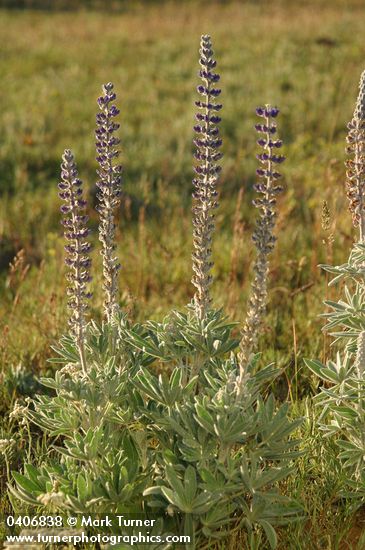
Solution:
(163, 421)
(342, 395)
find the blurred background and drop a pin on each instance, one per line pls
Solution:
(304, 57)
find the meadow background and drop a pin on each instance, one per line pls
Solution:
(304, 57)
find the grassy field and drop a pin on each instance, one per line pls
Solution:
(304, 57)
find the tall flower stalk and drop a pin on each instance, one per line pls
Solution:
(78, 249)
(207, 172)
(355, 175)
(109, 193)
(263, 235)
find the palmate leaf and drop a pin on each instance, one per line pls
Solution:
(33, 474)
(321, 371)
(203, 503)
(200, 451)
(164, 390)
(275, 425)
(145, 345)
(184, 493)
(218, 516)
(180, 429)
(269, 477)
(194, 341)
(28, 485)
(211, 482)
(224, 347)
(231, 429)
(67, 351)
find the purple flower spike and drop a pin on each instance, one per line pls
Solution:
(207, 172)
(263, 235)
(109, 193)
(77, 250)
(268, 159)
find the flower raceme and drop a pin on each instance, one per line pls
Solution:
(109, 193)
(355, 175)
(263, 236)
(78, 248)
(207, 171)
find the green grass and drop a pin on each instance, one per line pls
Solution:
(304, 57)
